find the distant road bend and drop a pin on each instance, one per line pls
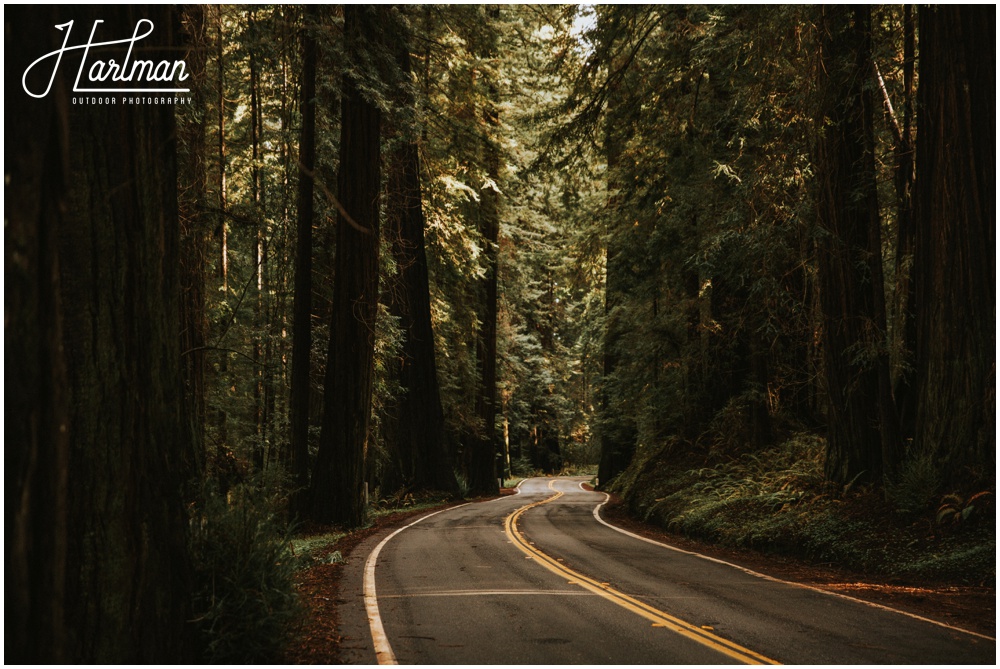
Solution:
(540, 578)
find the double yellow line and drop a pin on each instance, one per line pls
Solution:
(657, 617)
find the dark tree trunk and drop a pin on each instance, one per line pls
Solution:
(849, 255)
(195, 229)
(906, 324)
(121, 531)
(221, 416)
(338, 480)
(36, 408)
(302, 310)
(617, 427)
(760, 415)
(256, 194)
(482, 447)
(415, 427)
(955, 265)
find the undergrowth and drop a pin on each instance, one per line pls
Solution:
(777, 500)
(245, 602)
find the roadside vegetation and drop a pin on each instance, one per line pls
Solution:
(777, 501)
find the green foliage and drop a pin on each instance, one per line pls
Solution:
(777, 500)
(957, 511)
(917, 485)
(968, 561)
(521, 467)
(405, 501)
(307, 550)
(245, 601)
(771, 484)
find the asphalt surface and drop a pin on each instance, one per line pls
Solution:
(538, 578)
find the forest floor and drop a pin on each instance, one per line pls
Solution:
(317, 641)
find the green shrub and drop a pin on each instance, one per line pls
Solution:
(777, 500)
(917, 486)
(245, 602)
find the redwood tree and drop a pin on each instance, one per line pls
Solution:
(481, 446)
(101, 524)
(414, 429)
(36, 409)
(955, 261)
(861, 416)
(338, 478)
(302, 311)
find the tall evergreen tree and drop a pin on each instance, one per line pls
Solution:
(862, 435)
(302, 317)
(112, 579)
(415, 426)
(37, 404)
(482, 444)
(955, 263)
(338, 479)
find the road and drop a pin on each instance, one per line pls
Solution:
(539, 578)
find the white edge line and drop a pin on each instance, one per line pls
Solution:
(383, 651)
(607, 498)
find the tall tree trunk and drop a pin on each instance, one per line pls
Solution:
(195, 227)
(415, 427)
(906, 324)
(850, 269)
(258, 248)
(222, 417)
(617, 428)
(302, 310)
(36, 407)
(116, 466)
(955, 265)
(482, 459)
(338, 480)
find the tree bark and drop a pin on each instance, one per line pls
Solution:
(195, 229)
(302, 309)
(849, 256)
(617, 431)
(906, 329)
(482, 450)
(256, 194)
(955, 265)
(415, 427)
(108, 572)
(338, 479)
(37, 440)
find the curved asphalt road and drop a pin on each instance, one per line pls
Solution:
(538, 578)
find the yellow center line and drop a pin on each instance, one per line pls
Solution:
(656, 616)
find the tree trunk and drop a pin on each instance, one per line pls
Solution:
(37, 439)
(849, 255)
(903, 382)
(955, 265)
(481, 453)
(108, 572)
(222, 417)
(415, 427)
(195, 228)
(256, 194)
(338, 480)
(302, 310)
(618, 431)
